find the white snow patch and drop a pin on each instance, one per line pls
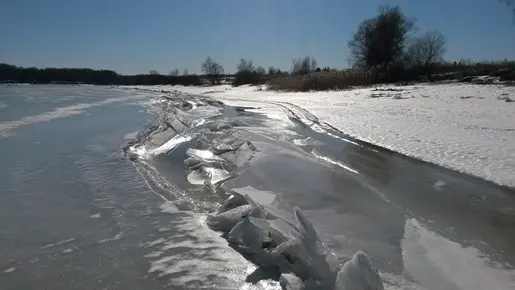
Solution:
(95, 216)
(154, 254)
(202, 154)
(198, 122)
(10, 270)
(139, 150)
(131, 135)
(334, 162)
(171, 144)
(300, 142)
(168, 207)
(59, 243)
(115, 238)
(431, 123)
(156, 242)
(207, 175)
(67, 251)
(305, 142)
(192, 253)
(439, 184)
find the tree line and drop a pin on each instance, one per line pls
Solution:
(384, 48)
(248, 73)
(14, 74)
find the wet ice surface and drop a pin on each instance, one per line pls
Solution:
(465, 127)
(314, 208)
(75, 214)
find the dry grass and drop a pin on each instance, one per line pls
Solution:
(341, 80)
(321, 81)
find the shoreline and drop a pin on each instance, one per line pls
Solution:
(452, 125)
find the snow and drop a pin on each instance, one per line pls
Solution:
(10, 270)
(208, 175)
(193, 256)
(115, 238)
(95, 216)
(131, 135)
(170, 144)
(337, 163)
(67, 251)
(464, 127)
(264, 224)
(59, 243)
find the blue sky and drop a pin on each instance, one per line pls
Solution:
(132, 36)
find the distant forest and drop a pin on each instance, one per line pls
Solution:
(14, 74)
(386, 48)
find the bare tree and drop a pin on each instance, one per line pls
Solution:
(247, 73)
(212, 70)
(427, 50)
(245, 66)
(260, 70)
(510, 4)
(304, 65)
(185, 72)
(380, 41)
(153, 72)
(174, 72)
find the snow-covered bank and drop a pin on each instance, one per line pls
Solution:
(469, 128)
(221, 148)
(307, 202)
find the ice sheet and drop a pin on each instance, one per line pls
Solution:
(464, 127)
(295, 250)
(438, 263)
(261, 173)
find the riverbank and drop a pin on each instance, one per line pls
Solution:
(464, 127)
